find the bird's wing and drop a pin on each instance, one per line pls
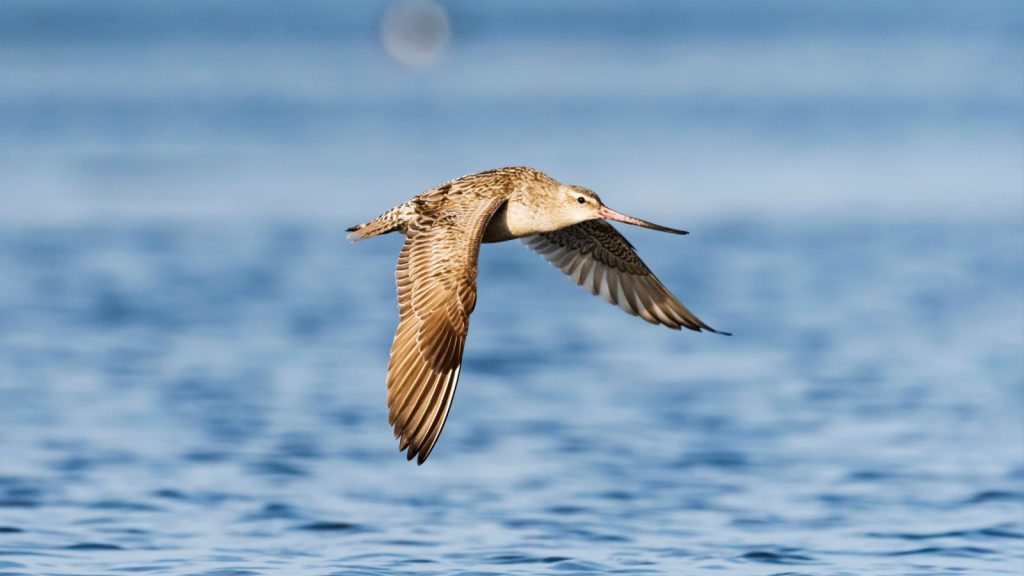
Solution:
(436, 277)
(597, 257)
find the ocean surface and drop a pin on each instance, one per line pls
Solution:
(188, 399)
(192, 355)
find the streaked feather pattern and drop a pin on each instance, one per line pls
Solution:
(437, 270)
(604, 263)
(436, 278)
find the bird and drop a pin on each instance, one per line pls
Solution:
(437, 272)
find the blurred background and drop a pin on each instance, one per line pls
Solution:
(339, 110)
(192, 356)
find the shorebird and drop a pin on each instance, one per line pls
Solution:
(437, 269)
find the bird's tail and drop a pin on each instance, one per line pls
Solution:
(386, 222)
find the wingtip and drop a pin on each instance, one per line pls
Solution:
(713, 331)
(412, 451)
(702, 327)
(419, 455)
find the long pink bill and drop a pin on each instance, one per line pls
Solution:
(609, 214)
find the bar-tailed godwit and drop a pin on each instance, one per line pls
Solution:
(437, 270)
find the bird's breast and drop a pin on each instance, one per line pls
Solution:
(515, 219)
(498, 228)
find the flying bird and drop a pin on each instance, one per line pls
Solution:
(437, 269)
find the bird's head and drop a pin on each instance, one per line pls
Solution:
(578, 204)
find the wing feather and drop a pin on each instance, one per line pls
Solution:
(436, 281)
(602, 261)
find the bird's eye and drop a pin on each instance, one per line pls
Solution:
(581, 200)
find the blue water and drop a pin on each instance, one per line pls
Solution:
(204, 108)
(201, 399)
(192, 356)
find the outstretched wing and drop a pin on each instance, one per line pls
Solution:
(597, 257)
(436, 279)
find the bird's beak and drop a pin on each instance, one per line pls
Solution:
(609, 214)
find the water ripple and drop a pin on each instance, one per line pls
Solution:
(209, 400)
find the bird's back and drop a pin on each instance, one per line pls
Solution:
(423, 210)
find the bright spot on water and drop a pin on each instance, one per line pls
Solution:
(415, 32)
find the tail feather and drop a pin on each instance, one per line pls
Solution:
(389, 221)
(369, 230)
(386, 222)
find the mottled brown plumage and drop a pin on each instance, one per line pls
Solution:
(602, 261)
(437, 268)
